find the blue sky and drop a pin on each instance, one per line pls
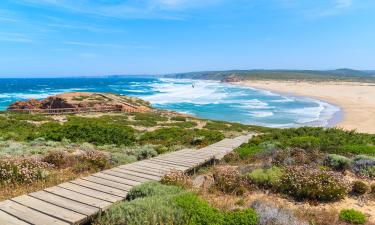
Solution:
(100, 37)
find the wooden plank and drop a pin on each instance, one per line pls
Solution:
(65, 203)
(126, 176)
(142, 169)
(138, 174)
(166, 165)
(158, 168)
(184, 160)
(173, 162)
(29, 215)
(100, 187)
(90, 192)
(107, 183)
(175, 167)
(116, 179)
(7, 219)
(72, 195)
(49, 209)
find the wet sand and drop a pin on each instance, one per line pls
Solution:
(357, 100)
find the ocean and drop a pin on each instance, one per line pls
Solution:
(205, 99)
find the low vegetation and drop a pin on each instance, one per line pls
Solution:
(154, 203)
(352, 216)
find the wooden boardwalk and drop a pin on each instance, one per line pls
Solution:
(77, 201)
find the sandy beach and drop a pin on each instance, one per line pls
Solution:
(357, 100)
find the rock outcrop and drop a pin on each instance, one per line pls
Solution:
(77, 100)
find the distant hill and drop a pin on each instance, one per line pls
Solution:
(313, 75)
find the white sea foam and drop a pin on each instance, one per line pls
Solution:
(183, 92)
(261, 114)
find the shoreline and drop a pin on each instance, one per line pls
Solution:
(355, 100)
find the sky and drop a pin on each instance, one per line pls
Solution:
(107, 37)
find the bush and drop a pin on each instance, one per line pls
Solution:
(178, 136)
(270, 214)
(246, 151)
(228, 180)
(88, 130)
(22, 170)
(359, 188)
(364, 166)
(352, 216)
(305, 142)
(92, 161)
(266, 177)
(312, 184)
(177, 178)
(59, 159)
(146, 152)
(178, 118)
(358, 149)
(241, 217)
(330, 140)
(337, 162)
(197, 211)
(121, 158)
(150, 189)
(143, 211)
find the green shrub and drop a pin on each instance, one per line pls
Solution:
(178, 118)
(241, 217)
(188, 124)
(197, 211)
(228, 179)
(358, 149)
(266, 177)
(143, 211)
(364, 165)
(209, 136)
(312, 184)
(246, 151)
(352, 216)
(359, 187)
(337, 162)
(330, 140)
(152, 189)
(178, 136)
(216, 125)
(120, 158)
(305, 142)
(88, 130)
(146, 152)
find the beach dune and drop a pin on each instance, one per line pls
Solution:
(357, 100)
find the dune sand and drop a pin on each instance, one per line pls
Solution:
(357, 100)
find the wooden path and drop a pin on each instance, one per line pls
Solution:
(77, 201)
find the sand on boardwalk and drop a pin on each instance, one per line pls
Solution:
(357, 100)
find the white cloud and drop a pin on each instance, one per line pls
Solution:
(14, 37)
(343, 3)
(105, 45)
(163, 9)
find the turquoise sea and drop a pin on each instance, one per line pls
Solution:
(205, 99)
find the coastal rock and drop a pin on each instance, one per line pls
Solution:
(81, 100)
(231, 79)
